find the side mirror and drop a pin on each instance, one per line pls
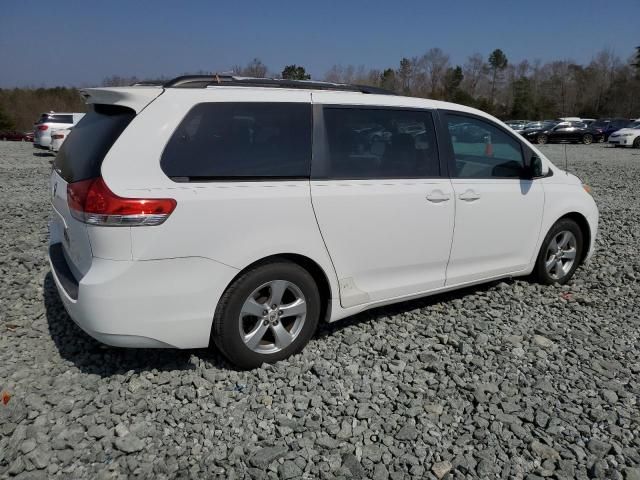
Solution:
(533, 168)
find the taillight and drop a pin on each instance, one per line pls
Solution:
(91, 201)
(42, 128)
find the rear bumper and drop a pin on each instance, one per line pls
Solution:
(151, 303)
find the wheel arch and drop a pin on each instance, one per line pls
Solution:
(310, 265)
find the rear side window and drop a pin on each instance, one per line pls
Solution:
(482, 150)
(55, 118)
(370, 143)
(81, 154)
(60, 119)
(240, 141)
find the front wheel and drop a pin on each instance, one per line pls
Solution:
(587, 139)
(542, 139)
(636, 143)
(267, 314)
(560, 253)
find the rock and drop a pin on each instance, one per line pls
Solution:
(27, 446)
(598, 447)
(440, 469)
(350, 462)
(289, 470)
(263, 457)
(434, 408)
(542, 341)
(407, 432)
(129, 443)
(544, 451)
(631, 473)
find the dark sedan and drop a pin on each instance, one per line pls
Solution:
(606, 126)
(15, 136)
(561, 132)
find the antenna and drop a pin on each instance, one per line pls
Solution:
(566, 160)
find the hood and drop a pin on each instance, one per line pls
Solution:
(627, 130)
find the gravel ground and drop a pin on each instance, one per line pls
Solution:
(509, 380)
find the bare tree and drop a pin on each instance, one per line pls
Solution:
(434, 64)
(473, 71)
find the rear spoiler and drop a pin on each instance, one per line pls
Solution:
(136, 98)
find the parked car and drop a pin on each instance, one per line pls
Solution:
(606, 126)
(219, 228)
(52, 121)
(28, 136)
(626, 137)
(556, 132)
(13, 136)
(58, 137)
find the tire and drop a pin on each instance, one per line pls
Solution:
(555, 265)
(587, 139)
(542, 139)
(601, 139)
(636, 142)
(276, 336)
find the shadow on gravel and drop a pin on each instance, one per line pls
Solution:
(91, 356)
(326, 329)
(44, 154)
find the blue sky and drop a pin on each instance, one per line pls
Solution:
(80, 42)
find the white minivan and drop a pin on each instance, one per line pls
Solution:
(241, 212)
(48, 122)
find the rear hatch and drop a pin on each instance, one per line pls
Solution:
(80, 158)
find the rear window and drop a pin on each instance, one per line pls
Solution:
(240, 141)
(54, 118)
(81, 155)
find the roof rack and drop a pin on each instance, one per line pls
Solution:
(203, 81)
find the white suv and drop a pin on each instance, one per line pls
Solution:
(49, 122)
(244, 211)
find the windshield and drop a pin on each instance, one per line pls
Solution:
(634, 125)
(540, 124)
(600, 123)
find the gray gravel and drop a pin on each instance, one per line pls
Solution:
(509, 380)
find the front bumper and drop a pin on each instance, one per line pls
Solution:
(623, 141)
(151, 303)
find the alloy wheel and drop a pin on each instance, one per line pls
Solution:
(561, 254)
(272, 316)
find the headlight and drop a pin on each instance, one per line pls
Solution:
(624, 135)
(587, 188)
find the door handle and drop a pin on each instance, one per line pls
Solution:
(469, 196)
(438, 197)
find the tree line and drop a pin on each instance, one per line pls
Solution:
(606, 86)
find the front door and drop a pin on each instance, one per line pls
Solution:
(498, 214)
(382, 205)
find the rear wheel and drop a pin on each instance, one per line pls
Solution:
(267, 314)
(636, 143)
(560, 253)
(587, 139)
(542, 139)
